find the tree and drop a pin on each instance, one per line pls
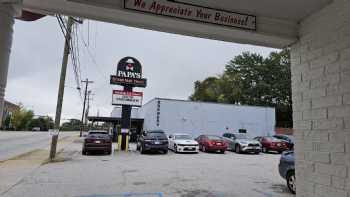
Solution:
(21, 118)
(251, 79)
(43, 122)
(72, 125)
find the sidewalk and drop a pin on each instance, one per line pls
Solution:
(13, 170)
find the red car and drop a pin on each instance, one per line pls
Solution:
(272, 144)
(211, 143)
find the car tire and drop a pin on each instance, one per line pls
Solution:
(165, 152)
(264, 150)
(222, 151)
(175, 148)
(238, 149)
(280, 152)
(291, 181)
(83, 152)
(141, 150)
(137, 146)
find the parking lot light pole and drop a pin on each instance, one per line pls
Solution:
(61, 87)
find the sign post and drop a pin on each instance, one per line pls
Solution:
(129, 75)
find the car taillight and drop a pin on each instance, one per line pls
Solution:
(211, 143)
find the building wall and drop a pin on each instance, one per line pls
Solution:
(321, 98)
(208, 118)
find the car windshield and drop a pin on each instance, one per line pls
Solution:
(214, 137)
(98, 133)
(241, 136)
(183, 137)
(156, 135)
(272, 139)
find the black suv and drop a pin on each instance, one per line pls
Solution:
(155, 140)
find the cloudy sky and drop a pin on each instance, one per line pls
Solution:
(171, 63)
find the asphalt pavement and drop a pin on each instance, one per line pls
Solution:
(154, 175)
(13, 144)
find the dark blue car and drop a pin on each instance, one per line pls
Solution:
(287, 169)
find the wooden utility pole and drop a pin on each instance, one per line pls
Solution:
(61, 87)
(85, 95)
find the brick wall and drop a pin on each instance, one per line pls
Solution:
(321, 97)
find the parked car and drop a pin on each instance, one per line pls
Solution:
(239, 142)
(287, 169)
(179, 142)
(155, 140)
(97, 141)
(36, 129)
(211, 143)
(286, 138)
(272, 144)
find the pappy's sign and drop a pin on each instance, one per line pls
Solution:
(171, 8)
(129, 72)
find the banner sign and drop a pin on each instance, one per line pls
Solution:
(172, 8)
(121, 97)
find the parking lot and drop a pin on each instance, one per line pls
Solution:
(152, 175)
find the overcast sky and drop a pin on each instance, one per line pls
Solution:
(171, 63)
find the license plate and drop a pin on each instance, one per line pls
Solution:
(156, 142)
(97, 142)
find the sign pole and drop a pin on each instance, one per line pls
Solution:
(126, 121)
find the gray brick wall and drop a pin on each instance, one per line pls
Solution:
(321, 98)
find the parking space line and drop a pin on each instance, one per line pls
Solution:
(157, 194)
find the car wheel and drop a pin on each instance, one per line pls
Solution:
(137, 146)
(175, 148)
(83, 152)
(279, 152)
(291, 181)
(238, 149)
(165, 152)
(141, 150)
(222, 151)
(204, 149)
(264, 150)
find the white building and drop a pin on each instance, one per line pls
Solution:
(203, 118)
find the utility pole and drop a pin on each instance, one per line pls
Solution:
(85, 94)
(66, 52)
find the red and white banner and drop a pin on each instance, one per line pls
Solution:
(121, 97)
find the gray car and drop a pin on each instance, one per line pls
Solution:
(287, 169)
(239, 142)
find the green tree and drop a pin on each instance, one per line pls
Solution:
(45, 123)
(21, 118)
(72, 125)
(251, 79)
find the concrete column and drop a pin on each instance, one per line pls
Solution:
(6, 23)
(321, 102)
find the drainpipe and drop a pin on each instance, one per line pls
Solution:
(7, 13)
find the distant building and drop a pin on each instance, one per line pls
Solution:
(181, 116)
(9, 109)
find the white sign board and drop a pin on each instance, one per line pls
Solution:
(193, 12)
(121, 97)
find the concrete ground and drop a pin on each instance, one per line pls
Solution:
(21, 153)
(154, 175)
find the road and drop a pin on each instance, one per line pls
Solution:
(16, 143)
